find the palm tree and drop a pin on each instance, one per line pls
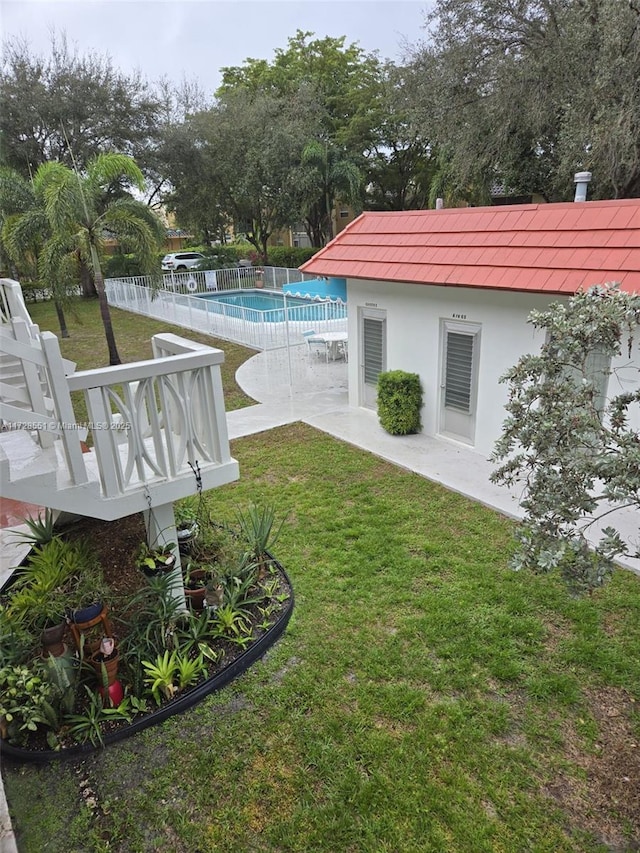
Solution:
(330, 174)
(23, 231)
(82, 209)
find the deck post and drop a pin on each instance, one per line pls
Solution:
(160, 524)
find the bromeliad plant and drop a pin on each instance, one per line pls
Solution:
(170, 673)
(259, 532)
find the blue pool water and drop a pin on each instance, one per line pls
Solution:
(258, 306)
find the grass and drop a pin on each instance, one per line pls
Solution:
(424, 698)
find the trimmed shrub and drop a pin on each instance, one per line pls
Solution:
(289, 256)
(121, 266)
(399, 402)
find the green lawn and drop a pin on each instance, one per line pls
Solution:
(424, 697)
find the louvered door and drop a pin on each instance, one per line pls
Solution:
(373, 347)
(460, 352)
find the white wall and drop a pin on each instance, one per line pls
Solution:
(414, 314)
(625, 374)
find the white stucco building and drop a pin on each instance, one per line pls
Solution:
(447, 293)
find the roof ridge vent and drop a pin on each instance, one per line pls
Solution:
(581, 180)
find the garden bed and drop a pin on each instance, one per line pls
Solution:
(261, 618)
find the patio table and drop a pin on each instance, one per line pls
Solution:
(332, 341)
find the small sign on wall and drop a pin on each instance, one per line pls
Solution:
(459, 316)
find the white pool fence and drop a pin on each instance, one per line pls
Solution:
(176, 301)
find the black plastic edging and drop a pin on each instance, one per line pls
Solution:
(177, 706)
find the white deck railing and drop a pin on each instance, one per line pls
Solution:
(261, 330)
(12, 305)
(153, 420)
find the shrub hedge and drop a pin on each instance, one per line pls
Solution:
(399, 402)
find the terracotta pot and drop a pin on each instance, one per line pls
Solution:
(196, 592)
(110, 662)
(52, 640)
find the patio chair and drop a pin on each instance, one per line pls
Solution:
(314, 347)
(343, 350)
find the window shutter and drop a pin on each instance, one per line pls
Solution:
(373, 344)
(459, 371)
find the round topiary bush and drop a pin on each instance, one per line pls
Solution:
(399, 402)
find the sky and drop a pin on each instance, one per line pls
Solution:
(193, 39)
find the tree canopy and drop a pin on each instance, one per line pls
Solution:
(71, 104)
(519, 95)
(528, 93)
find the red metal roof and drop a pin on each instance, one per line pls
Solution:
(545, 248)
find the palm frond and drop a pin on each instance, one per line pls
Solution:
(109, 167)
(64, 200)
(137, 228)
(23, 236)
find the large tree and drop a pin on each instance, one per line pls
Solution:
(345, 80)
(71, 105)
(575, 454)
(529, 92)
(82, 209)
(243, 154)
(400, 164)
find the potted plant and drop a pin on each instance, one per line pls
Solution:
(156, 559)
(46, 618)
(187, 527)
(105, 663)
(41, 589)
(195, 586)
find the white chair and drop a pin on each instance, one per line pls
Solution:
(313, 347)
(343, 350)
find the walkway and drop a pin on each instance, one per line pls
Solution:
(309, 390)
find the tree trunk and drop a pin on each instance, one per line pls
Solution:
(264, 257)
(114, 357)
(89, 289)
(329, 220)
(64, 332)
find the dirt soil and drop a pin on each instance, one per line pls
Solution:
(116, 544)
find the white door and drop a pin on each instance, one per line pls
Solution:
(459, 379)
(373, 346)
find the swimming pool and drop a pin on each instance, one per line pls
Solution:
(259, 306)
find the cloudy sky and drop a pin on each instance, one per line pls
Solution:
(195, 38)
